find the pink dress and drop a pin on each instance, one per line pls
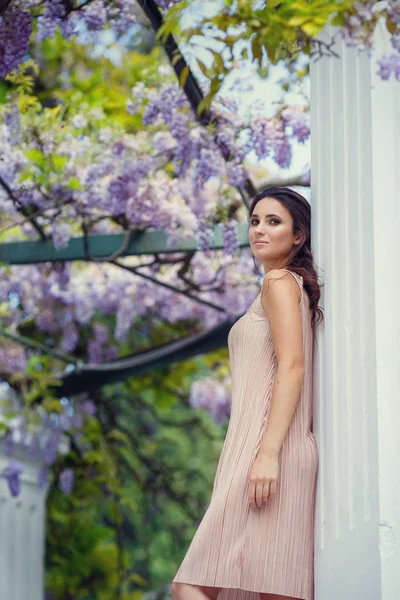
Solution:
(243, 549)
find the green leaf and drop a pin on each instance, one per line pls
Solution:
(59, 162)
(391, 26)
(176, 58)
(256, 50)
(74, 184)
(164, 400)
(202, 67)
(297, 20)
(184, 75)
(119, 436)
(204, 104)
(36, 157)
(219, 61)
(231, 39)
(339, 20)
(311, 29)
(263, 72)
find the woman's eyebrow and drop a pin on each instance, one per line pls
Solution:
(267, 216)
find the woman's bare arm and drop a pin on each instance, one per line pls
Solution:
(280, 301)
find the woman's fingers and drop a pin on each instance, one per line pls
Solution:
(266, 491)
(259, 493)
(252, 489)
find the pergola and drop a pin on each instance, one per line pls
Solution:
(355, 133)
(109, 248)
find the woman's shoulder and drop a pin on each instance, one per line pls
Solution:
(287, 284)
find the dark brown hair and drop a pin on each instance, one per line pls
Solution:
(300, 259)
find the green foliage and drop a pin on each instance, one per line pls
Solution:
(23, 79)
(139, 491)
(278, 32)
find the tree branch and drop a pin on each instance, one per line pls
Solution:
(130, 234)
(4, 5)
(168, 286)
(285, 182)
(191, 87)
(22, 209)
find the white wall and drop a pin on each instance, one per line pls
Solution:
(355, 149)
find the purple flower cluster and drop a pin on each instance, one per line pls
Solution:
(236, 172)
(209, 164)
(13, 357)
(12, 119)
(61, 235)
(297, 119)
(51, 446)
(98, 344)
(394, 12)
(44, 444)
(125, 185)
(388, 66)
(51, 18)
(12, 474)
(66, 481)
(94, 15)
(213, 396)
(122, 15)
(396, 41)
(125, 318)
(359, 27)
(15, 31)
(230, 237)
(204, 236)
(163, 106)
(270, 138)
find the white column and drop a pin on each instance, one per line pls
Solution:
(355, 123)
(386, 192)
(22, 534)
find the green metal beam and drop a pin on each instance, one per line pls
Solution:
(104, 246)
(89, 377)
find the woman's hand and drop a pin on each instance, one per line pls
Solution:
(263, 478)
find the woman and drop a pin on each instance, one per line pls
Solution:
(256, 540)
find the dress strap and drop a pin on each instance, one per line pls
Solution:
(299, 281)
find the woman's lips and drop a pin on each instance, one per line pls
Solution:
(259, 242)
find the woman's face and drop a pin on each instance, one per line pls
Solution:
(270, 233)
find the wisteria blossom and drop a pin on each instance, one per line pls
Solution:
(46, 436)
(212, 395)
(66, 481)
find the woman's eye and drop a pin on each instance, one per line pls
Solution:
(255, 221)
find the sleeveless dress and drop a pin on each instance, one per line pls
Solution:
(243, 549)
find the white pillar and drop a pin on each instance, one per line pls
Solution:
(355, 146)
(22, 533)
(22, 519)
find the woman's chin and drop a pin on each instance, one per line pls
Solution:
(259, 251)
